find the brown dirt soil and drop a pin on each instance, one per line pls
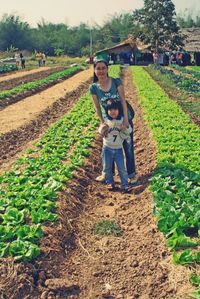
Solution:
(21, 73)
(12, 82)
(76, 264)
(15, 98)
(27, 119)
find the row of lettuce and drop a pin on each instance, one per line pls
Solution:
(187, 72)
(6, 68)
(187, 100)
(189, 85)
(38, 83)
(28, 192)
(176, 180)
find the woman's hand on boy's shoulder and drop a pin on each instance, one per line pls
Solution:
(126, 130)
(103, 129)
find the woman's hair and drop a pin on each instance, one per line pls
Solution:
(95, 78)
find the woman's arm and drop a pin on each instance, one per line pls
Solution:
(98, 108)
(124, 105)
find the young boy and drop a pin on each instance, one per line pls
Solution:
(113, 137)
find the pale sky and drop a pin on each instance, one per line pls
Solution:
(73, 12)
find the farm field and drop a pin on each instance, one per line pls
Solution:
(185, 72)
(41, 82)
(22, 121)
(17, 74)
(10, 81)
(74, 262)
(181, 84)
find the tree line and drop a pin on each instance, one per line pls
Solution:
(155, 23)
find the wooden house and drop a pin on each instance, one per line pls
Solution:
(131, 51)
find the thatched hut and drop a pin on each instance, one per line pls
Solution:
(192, 42)
(131, 51)
(191, 39)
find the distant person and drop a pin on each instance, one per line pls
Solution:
(179, 58)
(197, 58)
(23, 61)
(17, 59)
(155, 57)
(39, 58)
(43, 59)
(173, 58)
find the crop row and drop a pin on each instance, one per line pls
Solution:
(183, 70)
(189, 85)
(38, 83)
(176, 180)
(5, 68)
(28, 192)
(194, 68)
(185, 100)
(177, 176)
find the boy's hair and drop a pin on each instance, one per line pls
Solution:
(113, 104)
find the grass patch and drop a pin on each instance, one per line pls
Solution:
(107, 227)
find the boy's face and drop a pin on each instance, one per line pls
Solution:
(113, 113)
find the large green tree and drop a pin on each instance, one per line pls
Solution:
(14, 32)
(117, 28)
(53, 38)
(157, 21)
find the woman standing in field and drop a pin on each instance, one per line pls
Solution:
(107, 88)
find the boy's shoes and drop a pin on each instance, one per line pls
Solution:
(126, 188)
(110, 187)
(100, 178)
(132, 181)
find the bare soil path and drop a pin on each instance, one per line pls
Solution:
(137, 264)
(76, 264)
(27, 93)
(25, 120)
(22, 73)
(10, 83)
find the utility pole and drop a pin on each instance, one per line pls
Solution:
(91, 54)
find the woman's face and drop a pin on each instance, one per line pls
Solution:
(101, 70)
